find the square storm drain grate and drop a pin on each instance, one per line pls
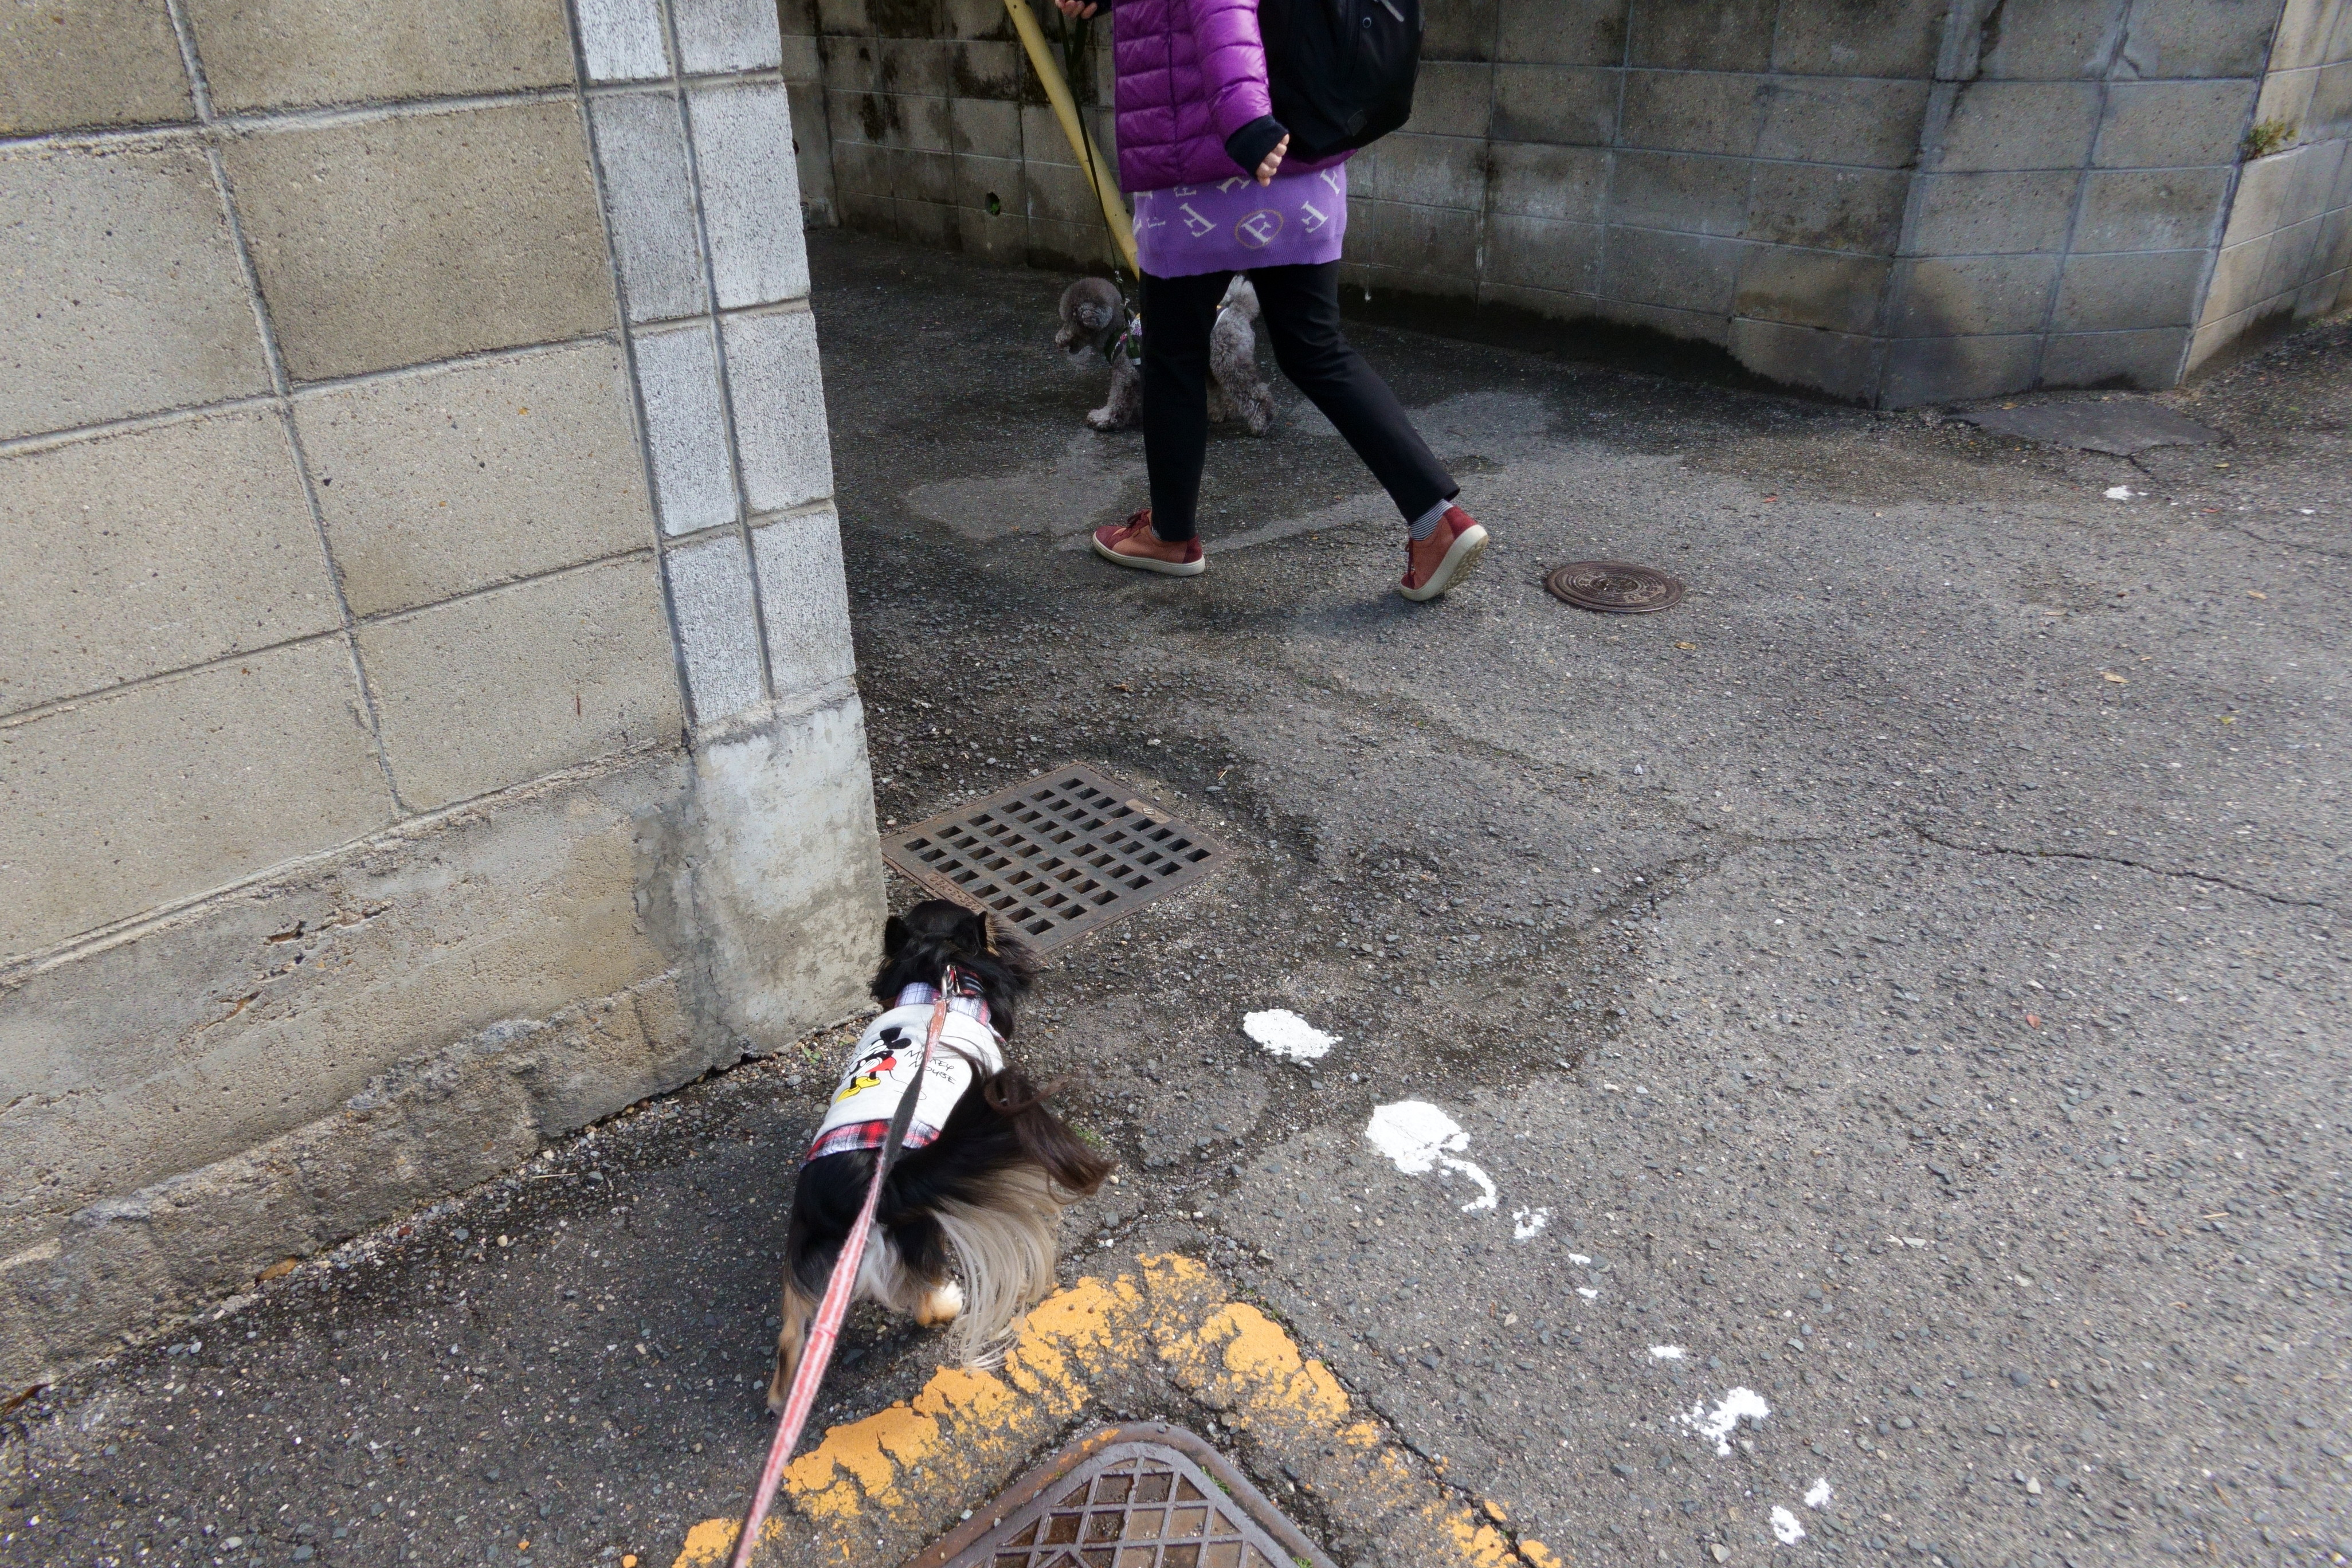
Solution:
(1144, 1495)
(1055, 858)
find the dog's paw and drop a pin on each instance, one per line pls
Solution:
(1102, 419)
(943, 1305)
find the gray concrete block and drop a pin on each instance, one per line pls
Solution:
(921, 66)
(1976, 215)
(1847, 38)
(2211, 343)
(1453, 98)
(153, 550)
(1434, 170)
(2117, 293)
(804, 596)
(1694, 111)
(484, 692)
(124, 293)
(2054, 40)
(1826, 208)
(813, 144)
(2142, 361)
(1682, 271)
(1954, 369)
(1548, 303)
(1691, 326)
(1835, 291)
(728, 34)
(1462, 31)
(1698, 34)
(2220, 38)
(976, 19)
(2319, 175)
(164, 791)
(916, 176)
(1968, 296)
(2169, 209)
(2330, 111)
(1536, 181)
(398, 241)
(1571, 104)
(2016, 125)
(1838, 363)
(1439, 243)
(1543, 253)
(2322, 296)
(978, 179)
(779, 408)
(685, 427)
(2304, 30)
(2287, 265)
(990, 70)
(444, 482)
(1826, 119)
(622, 39)
(1561, 32)
(985, 128)
(750, 198)
(649, 203)
(2285, 99)
(802, 64)
(2237, 279)
(1680, 191)
(712, 601)
(275, 54)
(2264, 199)
(2173, 124)
(89, 62)
(1059, 193)
(1000, 239)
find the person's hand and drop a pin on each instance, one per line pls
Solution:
(1273, 164)
(1078, 10)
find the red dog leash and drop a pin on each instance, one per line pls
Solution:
(816, 1351)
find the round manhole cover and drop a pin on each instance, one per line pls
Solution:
(1615, 587)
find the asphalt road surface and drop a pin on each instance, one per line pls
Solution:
(1884, 1020)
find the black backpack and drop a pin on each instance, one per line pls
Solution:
(1340, 71)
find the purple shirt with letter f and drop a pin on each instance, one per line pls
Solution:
(1237, 223)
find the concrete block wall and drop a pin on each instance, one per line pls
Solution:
(939, 135)
(1894, 201)
(2286, 254)
(427, 714)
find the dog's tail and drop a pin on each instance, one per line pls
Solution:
(1006, 1242)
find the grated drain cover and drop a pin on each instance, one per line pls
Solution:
(1142, 1496)
(1070, 850)
(1615, 587)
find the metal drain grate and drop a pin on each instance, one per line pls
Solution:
(1147, 1496)
(1057, 856)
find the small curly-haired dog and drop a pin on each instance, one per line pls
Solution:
(1096, 322)
(967, 1228)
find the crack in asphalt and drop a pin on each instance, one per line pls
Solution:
(2286, 900)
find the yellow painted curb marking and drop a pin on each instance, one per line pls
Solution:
(876, 1491)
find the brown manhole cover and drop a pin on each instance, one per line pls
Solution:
(1615, 587)
(1142, 1496)
(1068, 851)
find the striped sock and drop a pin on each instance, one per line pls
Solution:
(1427, 523)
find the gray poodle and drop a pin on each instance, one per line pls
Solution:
(1094, 321)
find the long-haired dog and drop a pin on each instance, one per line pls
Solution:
(1096, 322)
(966, 1230)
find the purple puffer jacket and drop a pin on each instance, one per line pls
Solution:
(1190, 74)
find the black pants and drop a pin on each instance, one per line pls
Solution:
(1299, 309)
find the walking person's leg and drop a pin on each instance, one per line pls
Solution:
(1178, 313)
(1300, 308)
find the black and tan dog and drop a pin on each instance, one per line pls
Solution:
(966, 1231)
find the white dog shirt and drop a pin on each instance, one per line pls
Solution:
(882, 1068)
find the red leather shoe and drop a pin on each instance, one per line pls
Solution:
(1457, 546)
(1131, 543)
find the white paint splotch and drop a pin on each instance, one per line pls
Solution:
(1287, 1034)
(1819, 1494)
(1418, 1138)
(1666, 1353)
(1525, 1222)
(1785, 1528)
(1718, 1424)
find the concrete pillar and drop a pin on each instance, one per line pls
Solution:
(427, 714)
